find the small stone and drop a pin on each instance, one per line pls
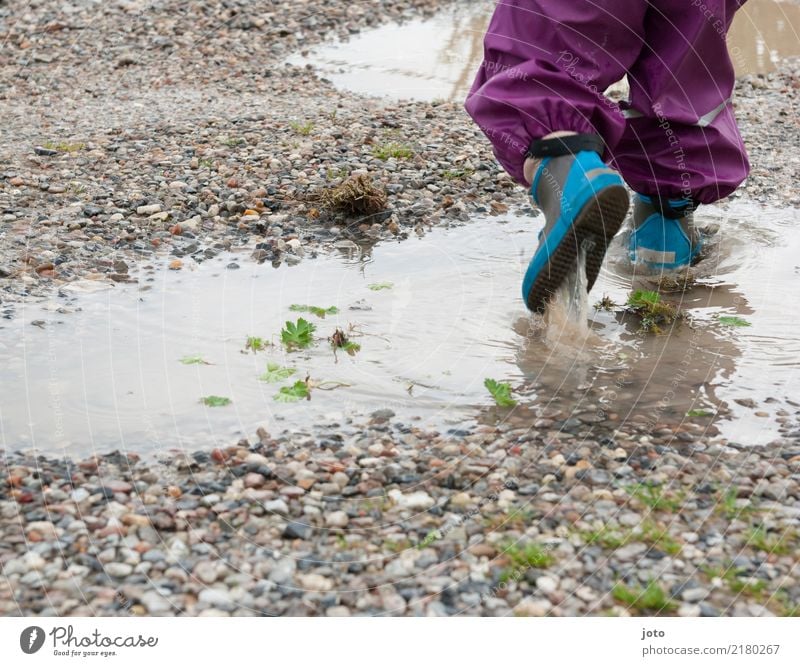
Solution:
(206, 572)
(315, 582)
(151, 209)
(118, 569)
(175, 265)
(337, 519)
(295, 530)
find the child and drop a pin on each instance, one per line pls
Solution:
(538, 97)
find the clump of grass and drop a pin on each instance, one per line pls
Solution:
(215, 401)
(737, 582)
(650, 598)
(656, 498)
(255, 344)
(605, 303)
(500, 391)
(455, 174)
(357, 195)
(303, 129)
(293, 393)
(64, 146)
(315, 310)
(233, 142)
(729, 506)
(392, 149)
(760, 538)
(529, 556)
(652, 311)
(339, 340)
(380, 286)
(298, 335)
(680, 282)
(648, 532)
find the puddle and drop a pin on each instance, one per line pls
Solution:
(437, 58)
(109, 375)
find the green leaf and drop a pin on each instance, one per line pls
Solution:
(292, 393)
(215, 401)
(315, 310)
(300, 334)
(698, 412)
(501, 392)
(351, 348)
(378, 286)
(276, 373)
(255, 344)
(194, 360)
(734, 321)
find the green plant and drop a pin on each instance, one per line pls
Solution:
(652, 311)
(64, 146)
(298, 335)
(455, 174)
(500, 391)
(693, 413)
(605, 303)
(728, 504)
(276, 373)
(233, 142)
(315, 310)
(392, 149)
(528, 556)
(339, 340)
(255, 344)
(736, 581)
(733, 321)
(650, 598)
(293, 393)
(380, 286)
(194, 360)
(304, 129)
(356, 195)
(206, 162)
(760, 538)
(656, 498)
(215, 401)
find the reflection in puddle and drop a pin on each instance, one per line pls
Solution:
(110, 375)
(437, 58)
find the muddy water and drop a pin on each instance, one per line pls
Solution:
(437, 58)
(101, 369)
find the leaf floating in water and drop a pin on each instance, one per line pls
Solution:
(734, 321)
(255, 344)
(276, 373)
(315, 310)
(501, 392)
(215, 401)
(300, 334)
(194, 360)
(293, 393)
(378, 286)
(698, 412)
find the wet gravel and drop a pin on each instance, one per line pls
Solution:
(169, 135)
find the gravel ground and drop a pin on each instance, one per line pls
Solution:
(170, 135)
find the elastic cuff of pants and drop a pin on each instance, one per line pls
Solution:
(673, 209)
(566, 145)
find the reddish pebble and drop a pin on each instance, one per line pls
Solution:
(218, 455)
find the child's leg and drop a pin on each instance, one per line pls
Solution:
(681, 146)
(681, 139)
(546, 65)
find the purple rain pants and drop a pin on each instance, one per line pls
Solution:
(547, 63)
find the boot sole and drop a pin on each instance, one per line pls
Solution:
(593, 229)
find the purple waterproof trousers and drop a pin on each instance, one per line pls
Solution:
(547, 63)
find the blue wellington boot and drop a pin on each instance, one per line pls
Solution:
(584, 204)
(663, 237)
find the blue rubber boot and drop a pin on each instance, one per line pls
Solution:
(663, 237)
(584, 204)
